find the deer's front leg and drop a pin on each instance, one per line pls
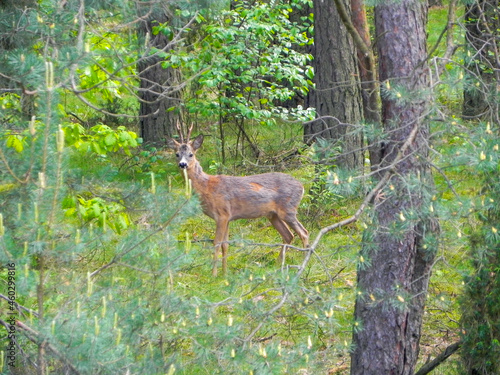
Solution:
(225, 247)
(220, 242)
(285, 233)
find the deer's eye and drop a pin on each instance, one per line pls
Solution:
(190, 155)
(177, 154)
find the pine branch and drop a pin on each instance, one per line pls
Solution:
(11, 171)
(14, 339)
(19, 307)
(35, 337)
(116, 258)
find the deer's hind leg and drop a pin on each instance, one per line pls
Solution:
(285, 233)
(291, 219)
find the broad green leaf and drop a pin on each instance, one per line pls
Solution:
(110, 139)
(15, 142)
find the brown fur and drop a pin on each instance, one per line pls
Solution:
(226, 198)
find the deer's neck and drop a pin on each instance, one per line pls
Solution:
(198, 178)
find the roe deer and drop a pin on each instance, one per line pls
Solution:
(226, 198)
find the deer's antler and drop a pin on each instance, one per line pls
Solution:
(189, 132)
(179, 130)
(181, 136)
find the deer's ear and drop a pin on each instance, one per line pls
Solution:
(197, 142)
(172, 143)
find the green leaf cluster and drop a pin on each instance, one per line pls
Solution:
(97, 210)
(100, 139)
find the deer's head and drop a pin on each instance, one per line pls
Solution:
(185, 151)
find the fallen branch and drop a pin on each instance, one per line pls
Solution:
(429, 366)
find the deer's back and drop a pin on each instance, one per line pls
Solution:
(251, 196)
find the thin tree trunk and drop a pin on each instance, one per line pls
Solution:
(366, 63)
(370, 90)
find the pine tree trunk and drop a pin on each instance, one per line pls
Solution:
(394, 275)
(337, 97)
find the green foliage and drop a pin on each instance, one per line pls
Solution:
(105, 214)
(108, 79)
(246, 65)
(140, 299)
(100, 139)
(481, 311)
(14, 141)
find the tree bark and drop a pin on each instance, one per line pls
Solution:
(159, 90)
(394, 275)
(337, 97)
